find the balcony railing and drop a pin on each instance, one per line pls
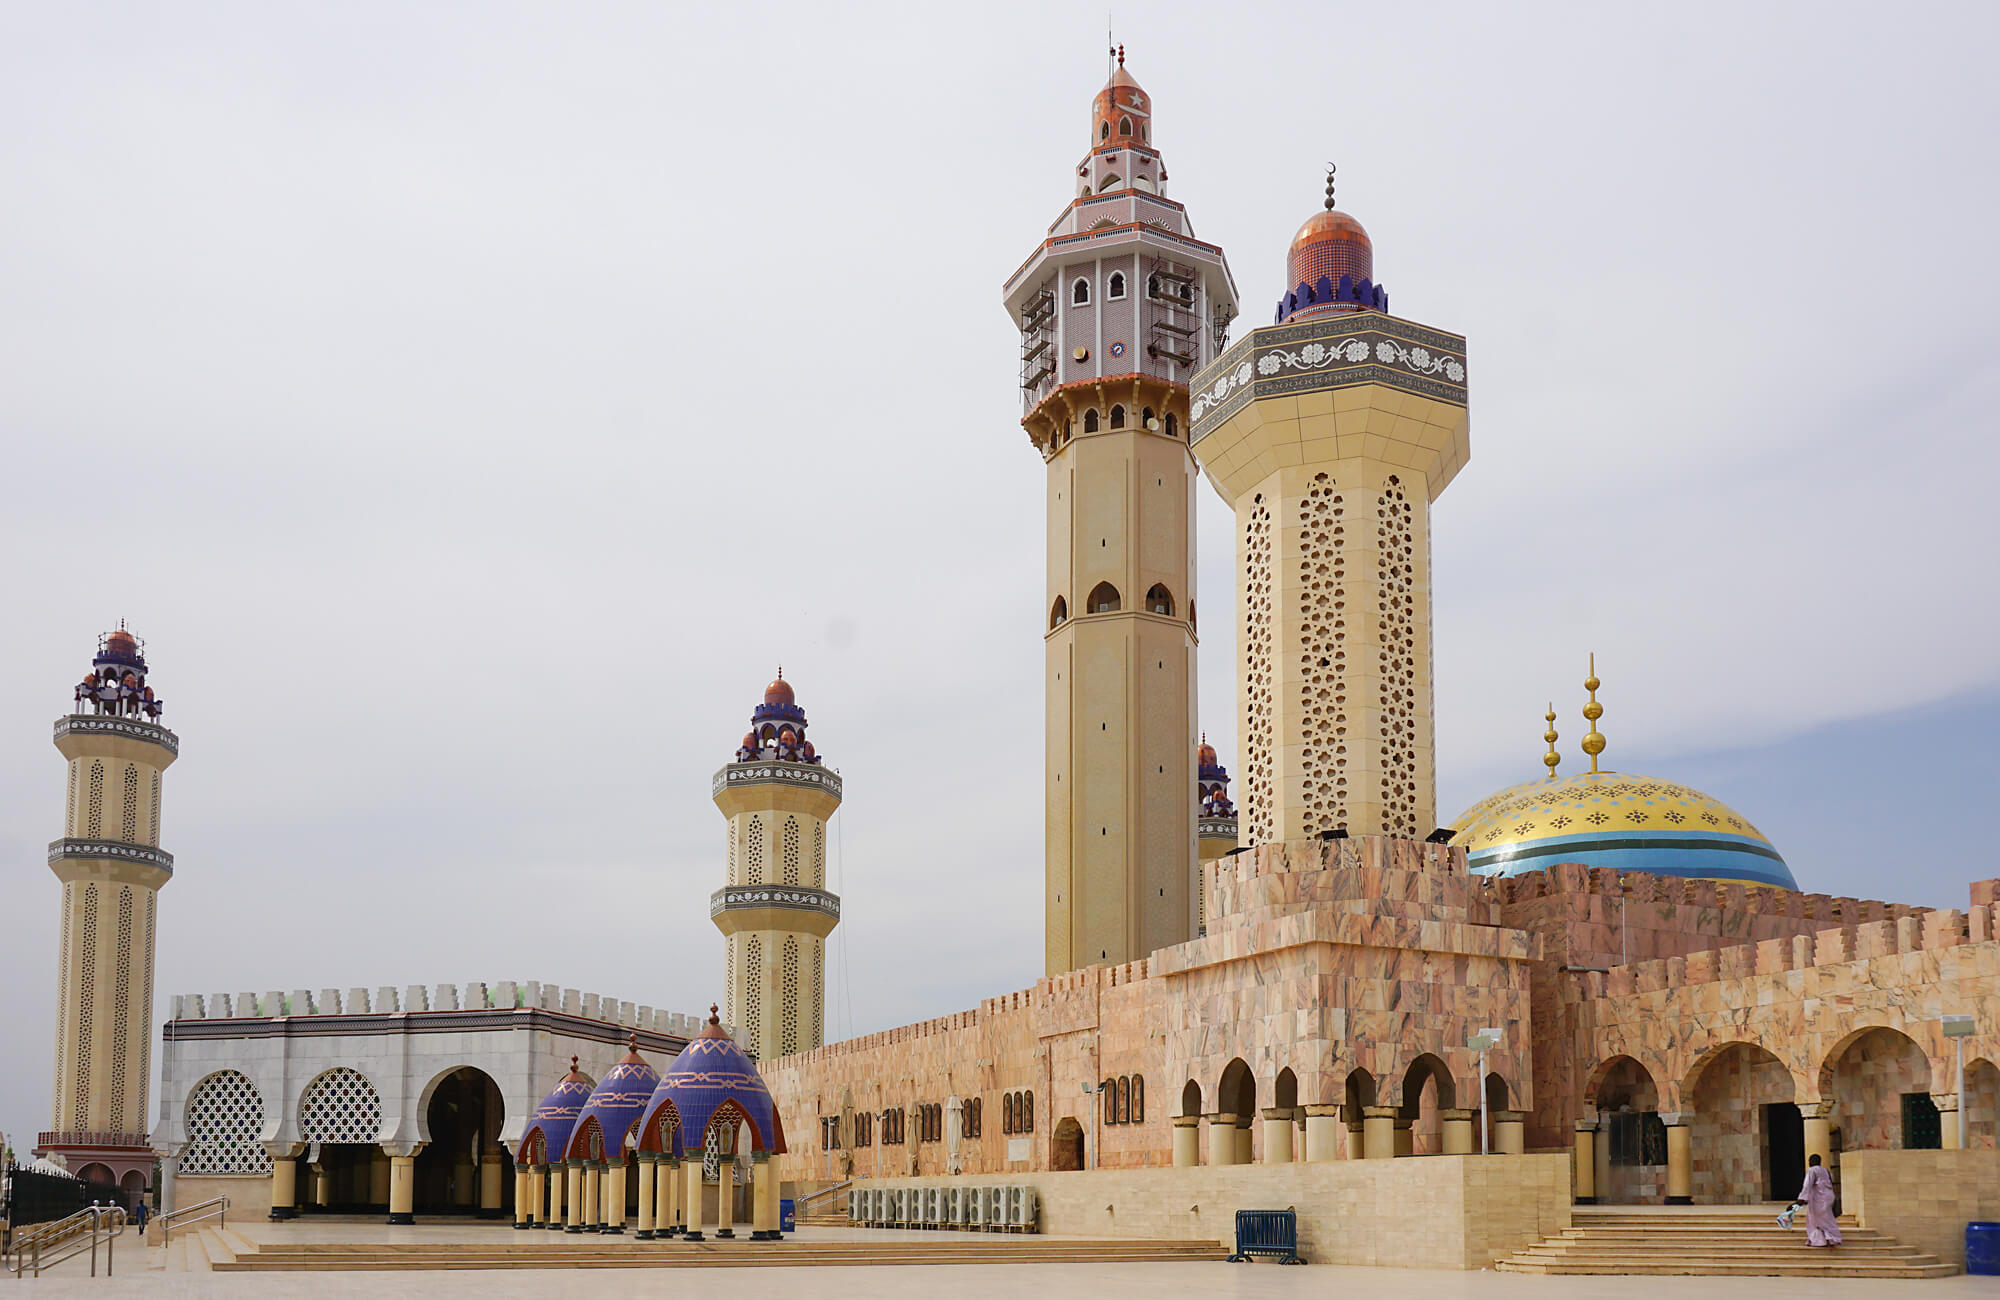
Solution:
(91, 1138)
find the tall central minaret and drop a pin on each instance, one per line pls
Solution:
(111, 869)
(1117, 308)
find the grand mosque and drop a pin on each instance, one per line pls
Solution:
(1593, 986)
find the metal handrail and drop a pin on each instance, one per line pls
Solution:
(216, 1207)
(834, 1190)
(70, 1237)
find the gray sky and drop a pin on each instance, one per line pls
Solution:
(473, 404)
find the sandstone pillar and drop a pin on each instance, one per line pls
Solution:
(1818, 1116)
(1406, 1138)
(1277, 1136)
(378, 1179)
(1222, 1138)
(1947, 1105)
(322, 1186)
(1378, 1132)
(612, 1220)
(667, 1207)
(1357, 1142)
(1586, 1162)
(528, 1183)
(593, 1196)
(763, 1198)
(1245, 1152)
(1322, 1133)
(558, 1182)
(285, 1178)
(649, 1214)
(1680, 1160)
(1187, 1141)
(1456, 1128)
(1510, 1132)
(725, 1199)
(692, 1163)
(403, 1182)
(573, 1177)
(492, 1176)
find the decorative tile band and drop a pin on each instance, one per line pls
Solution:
(1328, 352)
(778, 773)
(734, 897)
(1217, 826)
(119, 849)
(87, 724)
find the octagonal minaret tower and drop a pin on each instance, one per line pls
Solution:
(775, 911)
(1330, 432)
(1118, 307)
(112, 869)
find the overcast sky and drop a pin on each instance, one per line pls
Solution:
(472, 405)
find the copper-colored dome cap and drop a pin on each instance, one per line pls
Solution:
(1330, 244)
(779, 692)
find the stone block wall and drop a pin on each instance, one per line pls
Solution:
(1922, 1198)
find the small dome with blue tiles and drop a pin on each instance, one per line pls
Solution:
(614, 1107)
(710, 1079)
(552, 1122)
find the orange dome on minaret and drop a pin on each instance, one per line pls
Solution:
(1122, 114)
(779, 691)
(1330, 267)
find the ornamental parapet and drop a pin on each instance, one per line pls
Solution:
(71, 1138)
(84, 724)
(772, 772)
(1325, 353)
(1222, 827)
(732, 898)
(120, 850)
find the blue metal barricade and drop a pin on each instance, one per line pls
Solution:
(788, 1215)
(1267, 1232)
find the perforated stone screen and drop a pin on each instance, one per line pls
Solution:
(225, 1114)
(340, 1106)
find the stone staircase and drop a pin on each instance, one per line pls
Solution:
(1716, 1243)
(221, 1250)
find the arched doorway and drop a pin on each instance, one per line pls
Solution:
(1428, 1090)
(1066, 1145)
(1631, 1143)
(133, 1185)
(1357, 1093)
(1236, 1095)
(1981, 1104)
(1746, 1127)
(1879, 1082)
(463, 1118)
(340, 1121)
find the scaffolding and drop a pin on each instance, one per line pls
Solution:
(1038, 338)
(1173, 319)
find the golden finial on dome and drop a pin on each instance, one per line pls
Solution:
(1593, 740)
(1551, 758)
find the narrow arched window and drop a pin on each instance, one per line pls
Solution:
(1187, 293)
(1124, 126)
(1059, 614)
(1138, 1099)
(1146, 419)
(1117, 417)
(1079, 293)
(1152, 286)
(1116, 287)
(1111, 1101)
(1103, 599)
(1090, 420)
(1159, 600)
(1028, 1111)
(1125, 1101)
(1006, 1113)
(1110, 182)
(1171, 432)
(1104, 130)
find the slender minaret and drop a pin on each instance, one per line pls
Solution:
(1217, 819)
(1331, 432)
(1117, 308)
(111, 870)
(775, 912)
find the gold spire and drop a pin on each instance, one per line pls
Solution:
(1593, 740)
(1551, 758)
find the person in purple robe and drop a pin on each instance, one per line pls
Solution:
(1817, 1197)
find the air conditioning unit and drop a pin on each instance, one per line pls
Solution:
(1021, 1207)
(958, 1201)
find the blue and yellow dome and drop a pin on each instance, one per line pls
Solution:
(613, 1108)
(1619, 820)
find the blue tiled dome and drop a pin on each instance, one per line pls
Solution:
(712, 1074)
(548, 1130)
(614, 1108)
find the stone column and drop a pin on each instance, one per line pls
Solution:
(491, 1185)
(403, 1180)
(378, 1179)
(322, 1186)
(1378, 1132)
(285, 1178)
(1187, 1141)
(592, 1209)
(1456, 1126)
(1586, 1162)
(763, 1198)
(1818, 1117)
(725, 1200)
(464, 1184)
(667, 1210)
(1510, 1132)
(648, 1197)
(530, 1184)
(1322, 1134)
(1245, 1152)
(1357, 1142)
(1947, 1105)
(558, 1182)
(1222, 1138)
(1277, 1136)
(573, 1215)
(614, 1196)
(1406, 1138)
(692, 1190)
(1680, 1159)
(170, 1163)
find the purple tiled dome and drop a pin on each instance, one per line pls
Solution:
(710, 1076)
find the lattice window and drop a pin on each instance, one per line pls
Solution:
(1323, 654)
(753, 848)
(63, 986)
(819, 855)
(340, 1106)
(816, 1029)
(146, 1001)
(121, 1007)
(225, 1115)
(86, 1003)
(732, 1004)
(153, 812)
(791, 850)
(731, 876)
(70, 809)
(788, 1027)
(1395, 605)
(128, 827)
(94, 822)
(1259, 811)
(753, 993)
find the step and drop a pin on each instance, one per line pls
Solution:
(1701, 1268)
(198, 1260)
(726, 1255)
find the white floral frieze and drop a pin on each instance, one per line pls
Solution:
(1318, 355)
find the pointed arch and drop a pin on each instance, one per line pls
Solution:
(1103, 599)
(1190, 1098)
(1079, 292)
(1125, 127)
(1159, 600)
(1117, 417)
(1090, 420)
(1114, 288)
(1058, 613)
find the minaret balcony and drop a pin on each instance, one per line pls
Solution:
(736, 908)
(152, 867)
(88, 726)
